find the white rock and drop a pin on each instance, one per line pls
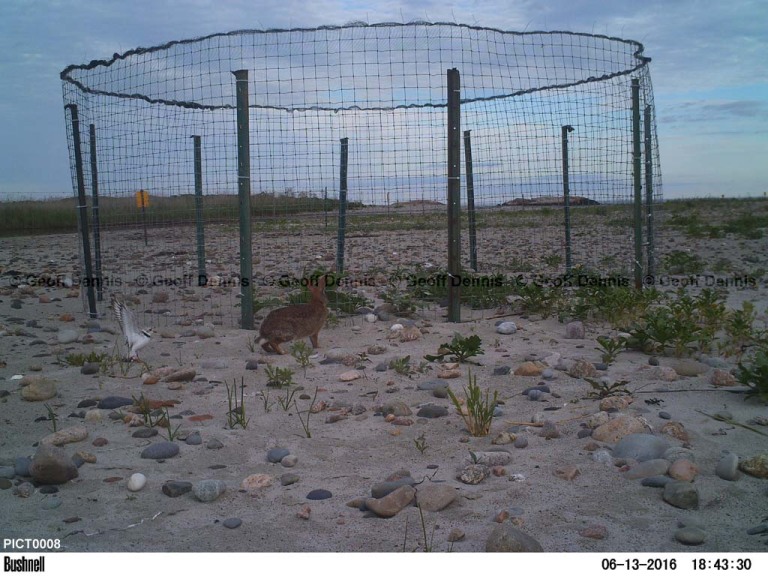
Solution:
(136, 482)
(396, 327)
(370, 318)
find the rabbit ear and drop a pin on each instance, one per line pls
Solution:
(321, 283)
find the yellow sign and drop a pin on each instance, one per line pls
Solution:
(142, 199)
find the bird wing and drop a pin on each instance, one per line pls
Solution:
(126, 320)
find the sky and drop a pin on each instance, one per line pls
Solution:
(709, 69)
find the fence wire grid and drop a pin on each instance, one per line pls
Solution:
(347, 149)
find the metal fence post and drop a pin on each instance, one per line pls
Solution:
(95, 211)
(82, 208)
(244, 200)
(638, 183)
(567, 200)
(454, 195)
(199, 228)
(340, 235)
(470, 201)
(651, 263)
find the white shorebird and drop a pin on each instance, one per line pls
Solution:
(135, 337)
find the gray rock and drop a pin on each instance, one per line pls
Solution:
(759, 529)
(90, 368)
(656, 481)
(574, 330)
(493, 458)
(277, 454)
(209, 490)
(52, 465)
(691, 536)
(21, 465)
(144, 433)
(51, 503)
(435, 497)
(648, 468)
(640, 447)
(24, 490)
(288, 479)
(474, 473)
(214, 444)
(215, 364)
(502, 370)
(520, 442)
(5, 484)
(728, 467)
(66, 336)
(289, 461)
(665, 415)
(506, 328)
(678, 453)
(7, 471)
(194, 439)
(319, 494)
(431, 385)
(114, 402)
(507, 538)
(548, 374)
(392, 503)
(176, 488)
(432, 411)
(383, 488)
(681, 495)
(251, 365)
(232, 523)
(397, 408)
(160, 451)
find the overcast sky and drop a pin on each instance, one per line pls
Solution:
(709, 69)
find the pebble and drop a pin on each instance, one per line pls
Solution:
(7, 471)
(665, 415)
(506, 328)
(21, 465)
(549, 430)
(474, 473)
(5, 483)
(392, 503)
(319, 494)
(502, 370)
(640, 447)
(24, 490)
(66, 436)
(594, 531)
(52, 465)
(455, 535)
(656, 481)
(683, 470)
(535, 395)
(136, 482)
(521, 442)
(383, 488)
(756, 466)
(567, 472)
(194, 439)
(209, 490)
(495, 458)
(350, 376)
(548, 374)
(582, 369)
(176, 488)
(530, 369)
(160, 451)
(691, 536)
(232, 523)
(396, 408)
(182, 375)
(507, 538)
(723, 378)
(51, 503)
(430, 385)
(251, 365)
(214, 444)
(66, 336)
(432, 411)
(145, 433)
(90, 368)
(574, 330)
(681, 495)
(504, 438)
(435, 497)
(288, 479)
(256, 482)
(647, 468)
(114, 402)
(37, 388)
(204, 332)
(728, 467)
(688, 367)
(289, 461)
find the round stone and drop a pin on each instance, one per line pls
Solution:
(691, 536)
(728, 467)
(506, 328)
(136, 482)
(209, 490)
(275, 455)
(232, 523)
(319, 494)
(160, 451)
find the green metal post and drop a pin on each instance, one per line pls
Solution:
(82, 208)
(567, 200)
(199, 228)
(651, 264)
(470, 200)
(638, 183)
(244, 199)
(454, 195)
(95, 212)
(343, 169)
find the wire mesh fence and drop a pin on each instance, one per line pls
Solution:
(333, 156)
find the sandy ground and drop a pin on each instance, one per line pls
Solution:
(349, 456)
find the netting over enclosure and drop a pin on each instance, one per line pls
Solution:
(274, 153)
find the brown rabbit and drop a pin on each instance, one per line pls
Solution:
(295, 321)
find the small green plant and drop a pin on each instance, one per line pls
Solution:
(172, 432)
(78, 359)
(302, 353)
(145, 409)
(286, 401)
(477, 412)
(421, 443)
(754, 375)
(305, 421)
(602, 390)
(236, 412)
(679, 262)
(402, 365)
(739, 329)
(461, 349)
(265, 399)
(278, 377)
(610, 347)
(52, 416)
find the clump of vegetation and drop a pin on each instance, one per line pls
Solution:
(610, 347)
(278, 377)
(602, 390)
(460, 349)
(79, 359)
(236, 412)
(477, 409)
(754, 374)
(301, 351)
